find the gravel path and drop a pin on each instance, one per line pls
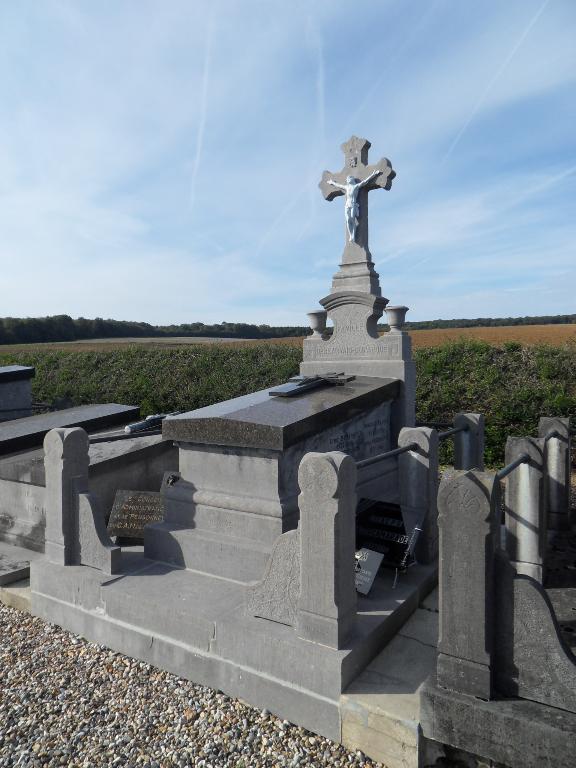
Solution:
(64, 701)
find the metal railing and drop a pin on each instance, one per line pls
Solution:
(505, 471)
(452, 431)
(386, 455)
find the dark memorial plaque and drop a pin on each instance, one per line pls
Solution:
(367, 565)
(132, 510)
(379, 527)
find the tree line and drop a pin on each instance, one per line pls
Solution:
(27, 330)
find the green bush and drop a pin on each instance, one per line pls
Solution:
(511, 385)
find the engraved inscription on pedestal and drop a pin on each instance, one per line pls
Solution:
(132, 511)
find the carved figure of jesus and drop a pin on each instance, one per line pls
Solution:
(351, 205)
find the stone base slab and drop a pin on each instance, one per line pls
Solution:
(514, 732)
(17, 595)
(381, 709)
(195, 625)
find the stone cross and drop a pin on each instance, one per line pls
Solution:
(355, 180)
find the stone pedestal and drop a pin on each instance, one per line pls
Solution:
(356, 348)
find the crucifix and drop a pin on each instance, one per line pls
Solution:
(354, 181)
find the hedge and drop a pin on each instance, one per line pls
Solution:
(513, 385)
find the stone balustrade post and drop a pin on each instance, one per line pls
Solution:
(75, 529)
(66, 464)
(418, 483)
(469, 508)
(327, 602)
(469, 444)
(556, 432)
(524, 505)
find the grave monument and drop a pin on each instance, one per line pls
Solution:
(248, 583)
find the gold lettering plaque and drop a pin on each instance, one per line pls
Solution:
(132, 510)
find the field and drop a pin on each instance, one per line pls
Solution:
(524, 334)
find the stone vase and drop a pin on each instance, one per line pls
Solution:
(318, 323)
(396, 317)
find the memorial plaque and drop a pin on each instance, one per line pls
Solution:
(132, 510)
(379, 527)
(367, 564)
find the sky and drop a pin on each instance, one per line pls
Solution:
(160, 159)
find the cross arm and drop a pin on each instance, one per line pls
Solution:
(386, 174)
(329, 190)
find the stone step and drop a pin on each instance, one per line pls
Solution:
(229, 557)
(17, 595)
(381, 709)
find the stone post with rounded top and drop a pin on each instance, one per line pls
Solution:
(418, 482)
(469, 443)
(75, 527)
(556, 433)
(524, 505)
(327, 603)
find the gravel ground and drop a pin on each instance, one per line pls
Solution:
(64, 701)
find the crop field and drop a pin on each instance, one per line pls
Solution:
(524, 334)
(555, 335)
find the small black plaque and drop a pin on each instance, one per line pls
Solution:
(132, 510)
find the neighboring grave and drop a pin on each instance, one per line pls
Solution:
(131, 512)
(356, 303)
(29, 432)
(15, 391)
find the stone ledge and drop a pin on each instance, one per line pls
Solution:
(514, 732)
(17, 595)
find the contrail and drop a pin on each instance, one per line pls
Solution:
(316, 40)
(203, 104)
(496, 77)
(369, 94)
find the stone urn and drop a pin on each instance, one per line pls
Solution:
(318, 323)
(396, 317)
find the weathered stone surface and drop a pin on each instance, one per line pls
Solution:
(418, 481)
(261, 421)
(15, 562)
(516, 733)
(327, 605)
(525, 510)
(469, 444)
(381, 708)
(15, 391)
(25, 433)
(532, 660)
(13, 570)
(556, 432)
(468, 507)
(75, 528)
(276, 596)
